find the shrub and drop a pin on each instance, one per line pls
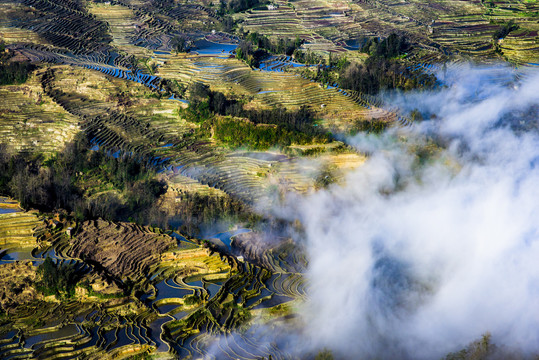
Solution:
(12, 72)
(57, 279)
(504, 30)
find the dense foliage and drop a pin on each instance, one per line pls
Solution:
(291, 127)
(180, 44)
(92, 184)
(71, 180)
(256, 47)
(260, 137)
(371, 126)
(57, 279)
(235, 6)
(390, 47)
(309, 57)
(504, 30)
(196, 212)
(378, 74)
(12, 72)
(382, 70)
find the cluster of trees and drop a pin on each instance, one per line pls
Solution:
(170, 87)
(68, 180)
(256, 47)
(379, 73)
(196, 212)
(181, 44)
(259, 137)
(327, 69)
(57, 279)
(371, 126)
(307, 57)
(281, 46)
(251, 55)
(382, 70)
(504, 30)
(12, 72)
(390, 47)
(235, 6)
(91, 184)
(301, 120)
(483, 348)
(73, 180)
(203, 103)
(298, 125)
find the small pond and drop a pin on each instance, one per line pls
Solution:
(226, 237)
(205, 47)
(66, 331)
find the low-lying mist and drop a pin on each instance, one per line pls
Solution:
(434, 241)
(417, 256)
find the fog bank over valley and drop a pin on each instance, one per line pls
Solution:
(417, 256)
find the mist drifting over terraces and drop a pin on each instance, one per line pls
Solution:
(413, 259)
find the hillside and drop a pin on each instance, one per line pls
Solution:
(243, 179)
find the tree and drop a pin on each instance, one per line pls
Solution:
(416, 115)
(324, 355)
(57, 279)
(198, 92)
(326, 176)
(180, 44)
(504, 30)
(12, 72)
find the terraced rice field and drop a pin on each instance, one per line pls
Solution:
(17, 35)
(324, 25)
(92, 333)
(233, 75)
(124, 250)
(16, 226)
(101, 71)
(123, 26)
(462, 28)
(162, 141)
(159, 318)
(267, 88)
(31, 121)
(445, 27)
(151, 129)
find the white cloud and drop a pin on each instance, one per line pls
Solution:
(416, 262)
(421, 267)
